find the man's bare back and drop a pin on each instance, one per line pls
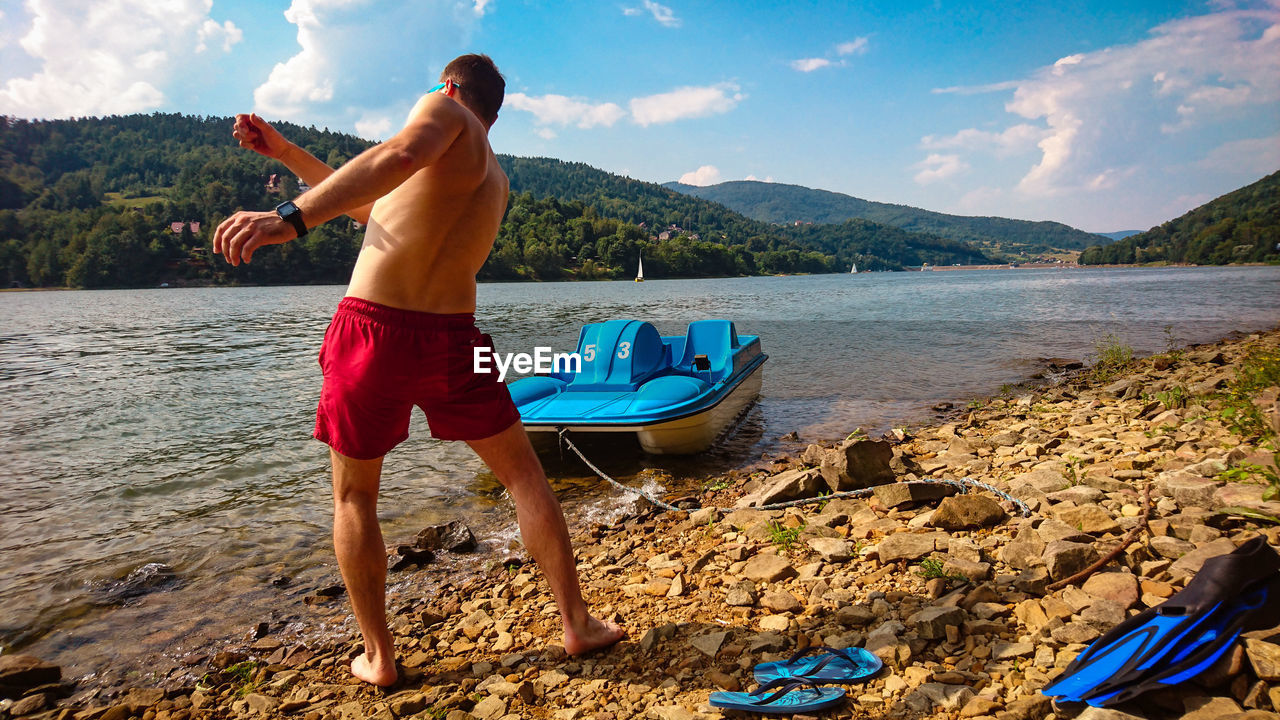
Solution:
(427, 239)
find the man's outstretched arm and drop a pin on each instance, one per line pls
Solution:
(257, 135)
(435, 124)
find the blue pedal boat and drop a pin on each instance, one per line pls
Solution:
(676, 394)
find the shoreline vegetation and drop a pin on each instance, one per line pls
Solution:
(971, 607)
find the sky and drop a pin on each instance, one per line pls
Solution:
(1103, 114)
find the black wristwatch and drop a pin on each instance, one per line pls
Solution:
(292, 215)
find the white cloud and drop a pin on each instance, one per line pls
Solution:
(109, 56)
(663, 14)
(1015, 139)
(546, 133)
(809, 64)
(1101, 114)
(705, 175)
(352, 55)
(939, 167)
(767, 178)
(686, 102)
(978, 89)
(374, 126)
(1257, 156)
(562, 110)
(211, 32)
(853, 47)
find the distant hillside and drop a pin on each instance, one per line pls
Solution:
(1241, 226)
(779, 203)
(872, 245)
(1119, 234)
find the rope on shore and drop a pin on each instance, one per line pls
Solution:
(963, 485)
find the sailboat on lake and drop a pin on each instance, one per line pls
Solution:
(640, 271)
(854, 270)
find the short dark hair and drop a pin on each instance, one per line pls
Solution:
(480, 86)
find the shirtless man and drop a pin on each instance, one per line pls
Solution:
(433, 197)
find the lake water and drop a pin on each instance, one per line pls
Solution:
(172, 427)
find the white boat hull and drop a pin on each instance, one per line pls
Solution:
(686, 435)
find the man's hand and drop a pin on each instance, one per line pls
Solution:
(255, 134)
(239, 235)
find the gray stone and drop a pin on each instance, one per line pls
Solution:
(1051, 530)
(780, 601)
(1119, 587)
(854, 615)
(1188, 489)
(1080, 495)
(1023, 553)
(768, 568)
(931, 623)
(453, 536)
(1092, 519)
(896, 495)
(1171, 547)
(1008, 651)
(1033, 581)
(1064, 559)
(947, 697)
(261, 704)
(21, 672)
(490, 708)
(961, 512)
(741, 595)
(906, 546)
(710, 643)
(743, 519)
(670, 712)
(858, 464)
(1265, 658)
(789, 485)
(832, 549)
(1189, 564)
(1076, 632)
(1246, 496)
(976, 571)
(657, 634)
(1044, 480)
(1103, 614)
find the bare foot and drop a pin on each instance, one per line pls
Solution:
(593, 635)
(378, 672)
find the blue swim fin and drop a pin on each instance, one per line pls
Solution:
(1182, 637)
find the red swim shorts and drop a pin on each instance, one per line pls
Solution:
(380, 361)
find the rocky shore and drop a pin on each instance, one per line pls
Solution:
(1151, 466)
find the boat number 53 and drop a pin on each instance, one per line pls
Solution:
(589, 352)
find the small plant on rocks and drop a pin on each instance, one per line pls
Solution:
(1175, 397)
(1111, 356)
(784, 537)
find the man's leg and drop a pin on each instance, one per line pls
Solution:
(357, 541)
(511, 457)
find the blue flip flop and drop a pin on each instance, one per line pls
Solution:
(789, 696)
(832, 666)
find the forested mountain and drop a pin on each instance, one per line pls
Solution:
(1241, 226)
(133, 201)
(779, 203)
(871, 245)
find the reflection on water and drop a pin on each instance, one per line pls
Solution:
(173, 426)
